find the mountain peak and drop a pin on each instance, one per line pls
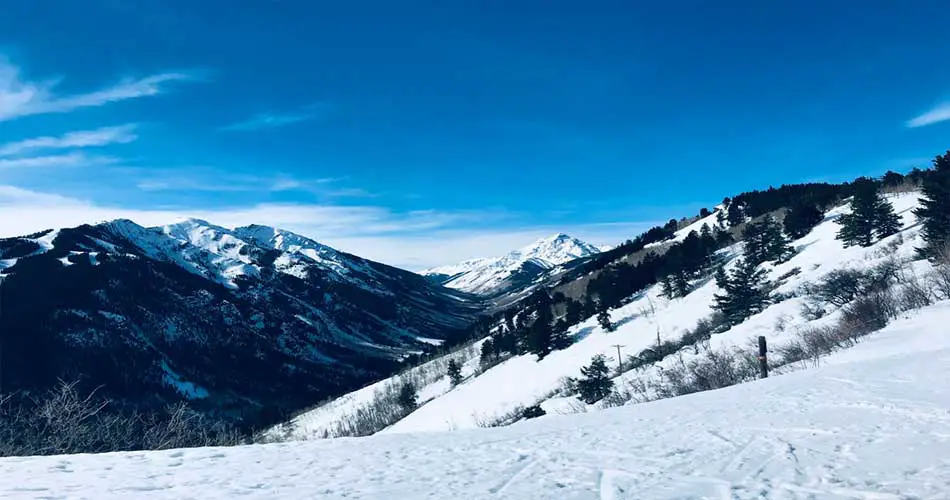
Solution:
(486, 276)
(557, 249)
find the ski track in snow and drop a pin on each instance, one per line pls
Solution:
(872, 423)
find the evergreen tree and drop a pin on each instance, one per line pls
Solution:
(574, 311)
(892, 179)
(871, 215)
(407, 397)
(666, 288)
(596, 384)
(800, 219)
(745, 292)
(934, 210)
(735, 214)
(454, 371)
(603, 317)
(886, 222)
(764, 241)
(704, 212)
(488, 353)
(723, 238)
(559, 338)
(681, 284)
(539, 338)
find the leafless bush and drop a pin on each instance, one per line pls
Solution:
(868, 314)
(914, 294)
(841, 286)
(713, 370)
(813, 343)
(940, 277)
(64, 421)
(812, 310)
(502, 420)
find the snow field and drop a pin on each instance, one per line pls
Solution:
(871, 423)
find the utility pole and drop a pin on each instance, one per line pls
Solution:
(619, 359)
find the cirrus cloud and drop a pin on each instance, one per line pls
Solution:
(20, 97)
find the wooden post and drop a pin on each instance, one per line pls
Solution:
(619, 359)
(763, 360)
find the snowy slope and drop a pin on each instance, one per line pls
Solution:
(869, 424)
(490, 275)
(524, 381)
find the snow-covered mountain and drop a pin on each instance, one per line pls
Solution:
(493, 276)
(255, 319)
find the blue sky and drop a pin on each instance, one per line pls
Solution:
(420, 133)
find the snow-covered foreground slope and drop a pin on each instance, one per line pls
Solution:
(871, 423)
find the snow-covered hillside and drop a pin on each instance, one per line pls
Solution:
(871, 423)
(490, 275)
(523, 381)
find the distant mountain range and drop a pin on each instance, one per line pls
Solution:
(491, 277)
(253, 322)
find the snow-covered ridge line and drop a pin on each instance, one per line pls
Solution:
(487, 275)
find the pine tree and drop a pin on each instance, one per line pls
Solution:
(934, 210)
(886, 222)
(800, 219)
(666, 288)
(603, 317)
(454, 371)
(407, 397)
(735, 214)
(704, 212)
(559, 338)
(574, 310)
(540, 334)
(764, 241)
(681, 284)
(596, 384)
(723, 237)
(745, 292)
(871, 215)
(488, 353)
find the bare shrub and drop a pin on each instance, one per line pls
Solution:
(713, 370)
(914, 294)
(868, 314)
(940, 277)
(813, 343)
(66, 421)
(812, 310)
(842, 286)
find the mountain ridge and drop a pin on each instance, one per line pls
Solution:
(493, 276)
(256, 321)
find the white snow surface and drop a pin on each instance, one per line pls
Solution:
(486, 274)
(871, 423)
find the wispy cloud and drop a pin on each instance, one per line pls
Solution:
(65, 160)
(938, 114)
(104, 136)
(269, 120)
(19, 97)
(411, 240)
(210, 179)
